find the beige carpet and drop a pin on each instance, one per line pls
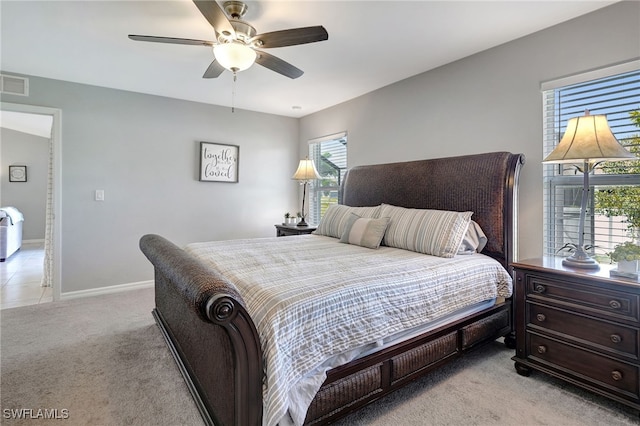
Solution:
(102, 361)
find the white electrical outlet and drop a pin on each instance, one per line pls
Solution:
(99, 194)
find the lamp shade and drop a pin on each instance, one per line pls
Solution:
(234, 56)
(588, 138)
(306, 171)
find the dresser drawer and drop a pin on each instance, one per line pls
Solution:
(606, 303)
(615, 338)
(608, 374)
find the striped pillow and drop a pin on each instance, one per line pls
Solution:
(434, 232)
(364, 232)
(334, 220)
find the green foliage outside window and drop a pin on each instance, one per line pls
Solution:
(623, 200)
(330, 176)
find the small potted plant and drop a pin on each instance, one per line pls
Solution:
(287, 218)
(627, 255)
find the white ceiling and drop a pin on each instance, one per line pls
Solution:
(371, 44)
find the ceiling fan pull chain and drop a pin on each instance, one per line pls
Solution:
(233, 92)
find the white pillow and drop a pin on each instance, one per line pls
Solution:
(334, 220)
(474, 240)
(434, 232)
(364, 232)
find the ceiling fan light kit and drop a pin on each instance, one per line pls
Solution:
(235, 48)
(234, 56)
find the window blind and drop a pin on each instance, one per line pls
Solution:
(329, 154)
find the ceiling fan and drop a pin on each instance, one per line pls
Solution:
(236, 46)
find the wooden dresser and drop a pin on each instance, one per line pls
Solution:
(578, 325)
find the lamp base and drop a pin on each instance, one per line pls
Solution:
(302, 223)
(584, 262)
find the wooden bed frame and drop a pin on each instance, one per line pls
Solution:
(215, 343)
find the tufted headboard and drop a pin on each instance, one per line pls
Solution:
(485, 184)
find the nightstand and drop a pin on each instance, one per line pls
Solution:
(286, 230)
(582, 326)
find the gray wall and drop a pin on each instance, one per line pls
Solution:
(30, 196)
(143, 152)
(490, 101)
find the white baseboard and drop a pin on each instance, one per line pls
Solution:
(106, 290)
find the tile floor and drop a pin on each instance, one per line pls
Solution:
(20, 277)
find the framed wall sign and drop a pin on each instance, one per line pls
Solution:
(17, 173)
(218, 162)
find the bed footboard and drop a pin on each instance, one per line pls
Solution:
(210, 334)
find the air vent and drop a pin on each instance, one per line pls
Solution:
(12, 85)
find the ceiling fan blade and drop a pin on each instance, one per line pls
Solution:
(290, 37)
(214, 70)
(216, 17)
(171, 40)
(278, 65)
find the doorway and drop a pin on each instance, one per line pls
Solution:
(52, 245)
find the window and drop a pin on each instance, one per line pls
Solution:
(613, 210)
(330, 157)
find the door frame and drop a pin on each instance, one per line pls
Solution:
(55, 216)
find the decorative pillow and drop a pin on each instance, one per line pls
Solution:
(434, 232)
(474, 240)
(334, 220)
(365, 232)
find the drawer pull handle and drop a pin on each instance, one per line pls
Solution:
(616, 338)
(542, 349)
(541, 317)
(616, 375)
(539, 288)
(615, 304)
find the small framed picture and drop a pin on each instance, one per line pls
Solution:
(17, 173)
(218, 162)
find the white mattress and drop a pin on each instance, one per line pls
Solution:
(318, 303)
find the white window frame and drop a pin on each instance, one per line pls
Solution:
(554, 232)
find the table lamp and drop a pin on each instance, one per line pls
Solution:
(306, 172)
(589, 141)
